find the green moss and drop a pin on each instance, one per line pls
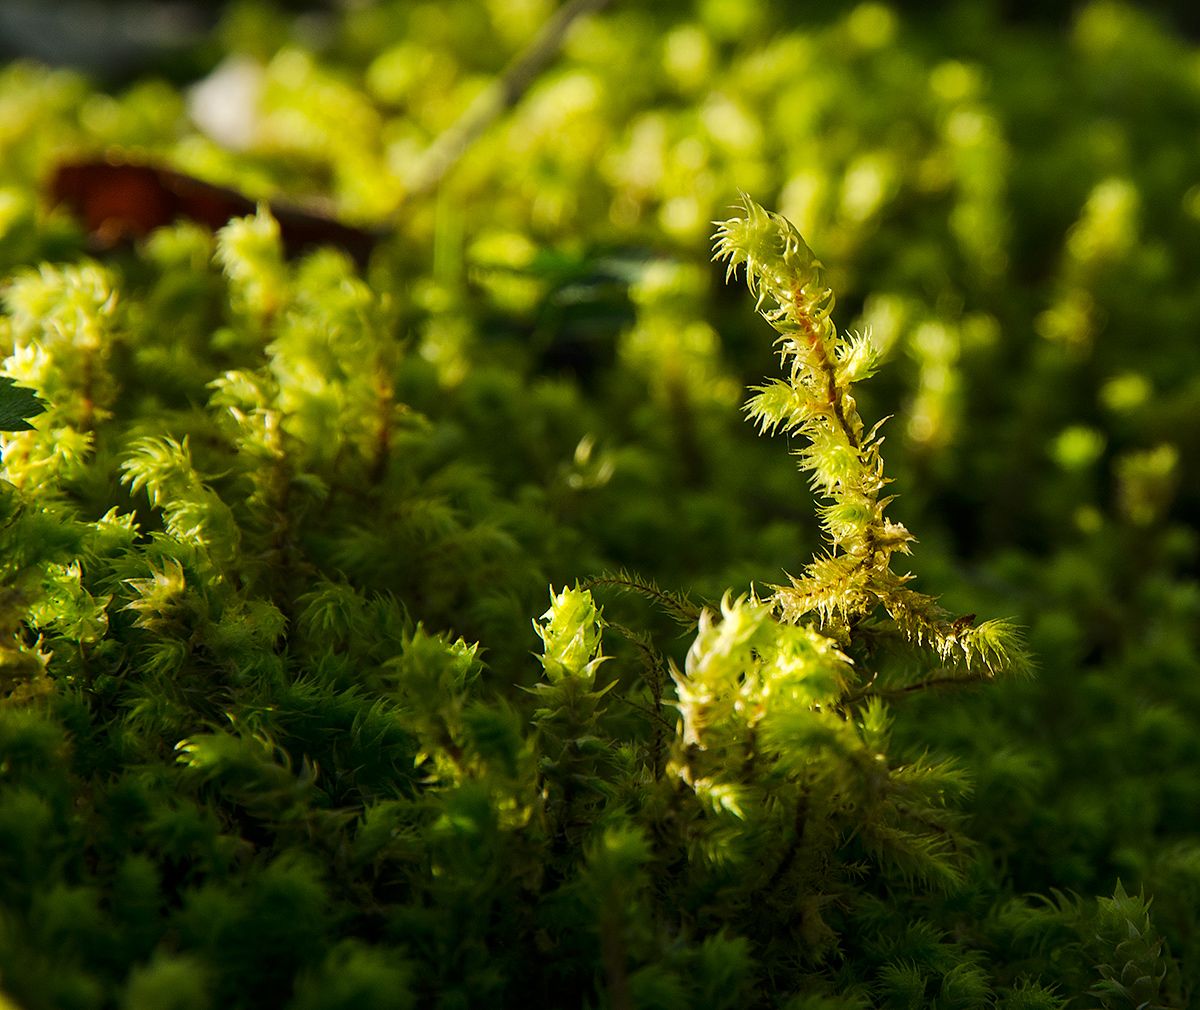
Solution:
(280, 724)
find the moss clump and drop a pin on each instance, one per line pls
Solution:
(271, 732)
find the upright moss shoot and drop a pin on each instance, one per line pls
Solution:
(852, 580)
(784, 732)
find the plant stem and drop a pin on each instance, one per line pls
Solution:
(497, 98)
(921, 685)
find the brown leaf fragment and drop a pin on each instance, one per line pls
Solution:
(120, 201)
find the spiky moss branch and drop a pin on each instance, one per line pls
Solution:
(849, 581)
(678, 606)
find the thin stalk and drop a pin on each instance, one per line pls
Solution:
(496, 99)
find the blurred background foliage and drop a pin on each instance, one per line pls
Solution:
(1007, 196)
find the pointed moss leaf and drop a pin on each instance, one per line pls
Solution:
(16, 404)
(779, 405)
